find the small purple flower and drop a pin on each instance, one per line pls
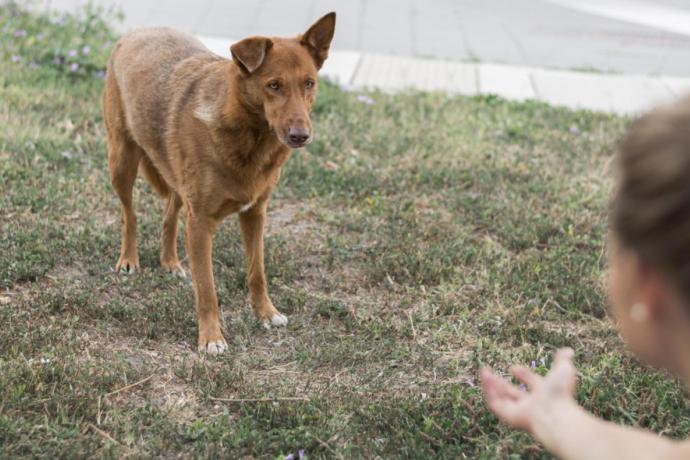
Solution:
(73, 67)
(533, 364)
(86, 50)
(301, 454)
(470, 382)
(20, 33)
(289, 457)
(57, 60)
(542, 360)
(574, 129)
(72, 53)
(365, 99)
(15, 58)
(100, 74)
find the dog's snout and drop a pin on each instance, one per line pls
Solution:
(298, 136)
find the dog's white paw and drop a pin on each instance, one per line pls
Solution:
(174, 268)
(277, 320)
(214, 348)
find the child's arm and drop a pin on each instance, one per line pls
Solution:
(550, 414)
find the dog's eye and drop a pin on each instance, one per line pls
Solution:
(309, 84)
(274, 85)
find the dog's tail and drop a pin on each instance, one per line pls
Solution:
(153, 177)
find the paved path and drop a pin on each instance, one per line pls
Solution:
(612, 55)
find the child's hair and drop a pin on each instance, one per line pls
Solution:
(651, 210)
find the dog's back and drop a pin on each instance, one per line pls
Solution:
(142, 64)
(145, 86)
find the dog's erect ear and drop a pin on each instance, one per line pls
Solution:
(318, 38)
(250, 52)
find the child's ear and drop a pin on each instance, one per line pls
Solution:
(249, 53)
(318, 38)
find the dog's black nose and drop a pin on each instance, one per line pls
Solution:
(298, 136)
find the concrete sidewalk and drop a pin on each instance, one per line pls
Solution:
(639, 50)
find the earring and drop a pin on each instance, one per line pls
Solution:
(639, 312)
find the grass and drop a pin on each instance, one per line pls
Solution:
(415, 240)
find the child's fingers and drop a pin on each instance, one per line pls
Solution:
(526, 376)
(564, 370)
(497, 386)
(503, 399)
(564, 355)
(506, 409)
(490, 383)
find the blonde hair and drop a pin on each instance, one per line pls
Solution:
(650, 213)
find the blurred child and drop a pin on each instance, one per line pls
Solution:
(649, 289)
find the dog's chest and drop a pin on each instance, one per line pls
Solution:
(253, 151)
(245, 177)
(258, 163)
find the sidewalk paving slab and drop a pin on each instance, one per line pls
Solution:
(510, 82)
(394, 73)
(341, 66)
(218, 45)
(624, 94)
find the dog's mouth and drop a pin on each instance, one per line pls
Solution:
(295, 145)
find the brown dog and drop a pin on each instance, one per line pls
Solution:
(211, 136)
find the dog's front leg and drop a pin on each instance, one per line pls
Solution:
(252, 225)
(199, 238)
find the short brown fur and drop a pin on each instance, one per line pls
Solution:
(211, 136)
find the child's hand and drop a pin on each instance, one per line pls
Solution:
(523, 409)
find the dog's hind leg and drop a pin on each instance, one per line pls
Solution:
(171, 214)
(123, 159)
(124, 156)
(169, 259)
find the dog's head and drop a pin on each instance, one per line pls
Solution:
(278, 78)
